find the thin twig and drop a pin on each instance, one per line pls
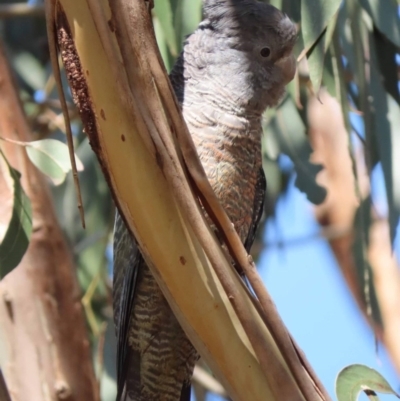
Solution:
(100, 351)
(51, 34)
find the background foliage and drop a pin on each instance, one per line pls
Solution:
(349, 47)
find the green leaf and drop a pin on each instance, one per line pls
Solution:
(163, 11)
(16, 239)
(385, 16)
(88, 244)
(30, 70)
(107, 372)
(292, 9)
(191, 16)
(356, 378)
(329, 75)
(340, 80)
(361, 27)
(344, 31)
(316, 55)
(386, 55)
(318, 20)
(276, 3)
(386, 123)
(362, 224)
(286, 134)
(51, 157)
(162, 44)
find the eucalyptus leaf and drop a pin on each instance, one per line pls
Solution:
(163, 11)
(344, 32)
(276, 3)
(88, 244)
(328, 76)
(356, 378)
(191, 12)
(18, 234)
(362, 224)
(292, 9)
(318, 20)
(385, 16)
(107, 372)
(286, 131)
(161, 42)
(386, 56)
(339, 77)
(386, 121)
(316, 55)
(51, 157)
(179, 17)
(30, 70)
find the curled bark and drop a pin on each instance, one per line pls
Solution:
(45, 353)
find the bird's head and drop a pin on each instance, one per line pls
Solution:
(249, 50)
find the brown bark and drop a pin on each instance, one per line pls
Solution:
(44, 352)
(329, 139)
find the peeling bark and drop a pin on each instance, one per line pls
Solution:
(44, 352)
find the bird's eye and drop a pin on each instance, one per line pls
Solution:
(265, 52)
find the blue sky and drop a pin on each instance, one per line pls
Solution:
(312, 298)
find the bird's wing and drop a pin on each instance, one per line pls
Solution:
(258, 208)
(127, 261)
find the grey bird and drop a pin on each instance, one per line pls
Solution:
(234, 66)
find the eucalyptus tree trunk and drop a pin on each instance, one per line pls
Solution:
(44, 347)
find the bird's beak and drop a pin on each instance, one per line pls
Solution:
(287, 65)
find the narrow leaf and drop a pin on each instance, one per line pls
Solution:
(291, 8)
(51, 157)
(191, 12)
(385, 16)
(316, 55)
(362, 224)
(386, 54)
(356, 378)
(163, 12)
(287, 132)
(16, 239)
(318, 21)
(387, 121)
(161, 42)
(30, 70)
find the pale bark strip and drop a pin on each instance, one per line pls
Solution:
(44, 353)
(140, 54)
(120, 128)
(330, 142)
